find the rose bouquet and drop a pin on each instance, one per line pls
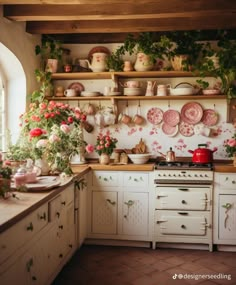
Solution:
(53, 131)
(230, 146)
(105, 144)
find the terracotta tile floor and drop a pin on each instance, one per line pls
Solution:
(107, 265)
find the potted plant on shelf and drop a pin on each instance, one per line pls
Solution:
(185, 50)
(105, 145)
(51, 52)
(146, 48)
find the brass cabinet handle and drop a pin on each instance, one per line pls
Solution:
(110, 202)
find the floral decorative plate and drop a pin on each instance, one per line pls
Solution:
(77, 86)
(168, 130)
(171, 117)
(210, 117)
(191, 113)
(155, 115)
(186, 129)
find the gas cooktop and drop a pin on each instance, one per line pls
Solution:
(183, 165)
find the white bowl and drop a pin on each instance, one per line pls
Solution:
(139, 158)
(133, 91)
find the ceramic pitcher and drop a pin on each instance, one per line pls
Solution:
(98, 62)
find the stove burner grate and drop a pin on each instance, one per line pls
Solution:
(183, 165)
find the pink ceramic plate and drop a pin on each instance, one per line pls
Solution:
(168, 130)
(155, 115)
(186, 129)
(191, 113)
(210, 117)
(171, 117)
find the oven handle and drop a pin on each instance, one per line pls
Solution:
(183, 213)
(183, 189)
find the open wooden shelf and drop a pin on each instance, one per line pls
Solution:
(122, 97)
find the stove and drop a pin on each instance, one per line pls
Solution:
(183, 172)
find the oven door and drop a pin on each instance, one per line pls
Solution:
(182, 223)
(183, 197)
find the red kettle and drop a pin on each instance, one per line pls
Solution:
(202, 155)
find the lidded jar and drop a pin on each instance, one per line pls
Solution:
(20, 177)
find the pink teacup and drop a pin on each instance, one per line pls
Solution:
(31, 177)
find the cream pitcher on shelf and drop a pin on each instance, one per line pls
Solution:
(150, 88)
(98, 63)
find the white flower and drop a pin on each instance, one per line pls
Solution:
(65, 129)
(54, 138)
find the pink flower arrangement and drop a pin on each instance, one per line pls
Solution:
(230, 146)
(105, 144)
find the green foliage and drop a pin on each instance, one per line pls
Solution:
(114, 62)
(44, 78)
(146, 43)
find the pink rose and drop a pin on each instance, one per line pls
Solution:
(42, 143)
(65, 129)
(42, 106)
(54, 138)
(89, 148)
(231, 142)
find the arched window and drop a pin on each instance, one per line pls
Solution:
(3, 126)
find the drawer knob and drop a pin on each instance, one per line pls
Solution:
(30, 227)
(58, 214)
(183, 202)
(63, 203)
(60, 227)
(43, 217)
(183, 226)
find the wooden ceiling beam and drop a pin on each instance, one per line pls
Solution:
(114, 11)
(118, 26)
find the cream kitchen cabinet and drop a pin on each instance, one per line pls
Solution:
(224, 232)
(119, 205)
(34, 250)
(81, 209)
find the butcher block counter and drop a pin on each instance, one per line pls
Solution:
(13, 209)
(224, 167)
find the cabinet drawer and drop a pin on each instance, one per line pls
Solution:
(137, 179)
(227, 181)
(106, 178)
(182, 223)
(183, 198)
(23, 231)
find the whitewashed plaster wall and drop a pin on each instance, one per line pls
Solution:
(17, 63)
(156, 140)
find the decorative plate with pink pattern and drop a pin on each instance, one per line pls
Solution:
(186, 129)
(168, 130)
(155, 115)
(210, 117)
(191, 113)
(171, 117)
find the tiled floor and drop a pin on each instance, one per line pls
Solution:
(106, 265)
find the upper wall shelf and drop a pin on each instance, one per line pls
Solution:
(112, 75)
(122, 97)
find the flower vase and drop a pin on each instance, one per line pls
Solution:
(79, 157)
(104, 158)
(43, 165)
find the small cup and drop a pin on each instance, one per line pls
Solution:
(59, 91)
(67, 68)
(125, 119)
(205, 131)
(138, 120)
(70, 93)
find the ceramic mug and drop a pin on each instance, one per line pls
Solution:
(138, 120)
(125, 119)
(70, 93)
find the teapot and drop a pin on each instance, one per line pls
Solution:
(169, 156)
(98, 62)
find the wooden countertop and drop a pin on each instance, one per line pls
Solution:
(224, 167)
(115, 167)
(13, 209)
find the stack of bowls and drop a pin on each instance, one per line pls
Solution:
(133, 91)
